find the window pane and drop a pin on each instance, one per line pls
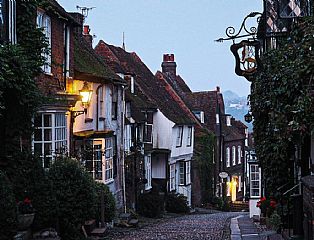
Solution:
(47, 120)
(37, 121)
(47, 148)
(47, 162)
(48, 135)
(38, 148)
(38, 135)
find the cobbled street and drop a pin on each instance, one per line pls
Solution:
(196, 226)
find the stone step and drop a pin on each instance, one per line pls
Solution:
(99, 232)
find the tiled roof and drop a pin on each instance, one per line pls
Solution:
(231, 133)
(59, 10)
(207, 102)
(157, 90)
(88, 66)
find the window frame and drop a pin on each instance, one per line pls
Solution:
(228, 157)
(256, 179)
(148, 171)
(184, 173)
(54, 133)
(239, 154)
(114, 102)
(189, 136)
(44, 22)
(234, 162)
(172, 177)
(109, 157)
(179, 136)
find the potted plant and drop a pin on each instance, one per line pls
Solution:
(25, 214)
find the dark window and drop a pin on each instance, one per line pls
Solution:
(114, 107)
(179, 136)
(148, 130)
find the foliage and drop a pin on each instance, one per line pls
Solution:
(274, 221)
(75, 195)
(204, 144)
(25, 206)
(8, 210)
(19, 65)
(150, 205)
(109, 202)
(282, 103)
(176, 203)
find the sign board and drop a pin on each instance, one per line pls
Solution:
(223, 175)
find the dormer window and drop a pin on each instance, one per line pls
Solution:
(130, 79)
(228, 120)
(199, 115)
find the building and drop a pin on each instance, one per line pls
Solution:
(172, 125)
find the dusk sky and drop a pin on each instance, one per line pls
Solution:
(186, 28)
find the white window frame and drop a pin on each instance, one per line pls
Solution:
(146, 126)
(44, 22)
(188, 173)
(228, 157)
(189, 136)
(172, 177)
(234, 156)
(239, 183)
(239, 154)
(181, 173)
(67, 36)
(127, 138)
(57, 136)
(108, 160)
(179, 136)
(148, 172)
(101, 101)
(255, 177)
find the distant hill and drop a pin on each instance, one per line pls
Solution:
(236, 106)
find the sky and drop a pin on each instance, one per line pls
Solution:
(186, 28)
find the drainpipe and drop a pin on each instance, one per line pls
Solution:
(122, 146)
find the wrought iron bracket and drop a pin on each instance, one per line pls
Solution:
(75, 114)
(244, 30)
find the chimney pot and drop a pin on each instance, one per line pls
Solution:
(218, 89)
(169, 65)
(86, 30)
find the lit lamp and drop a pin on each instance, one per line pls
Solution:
(86, 95)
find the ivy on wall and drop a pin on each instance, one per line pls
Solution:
(204, 144)
(282, 103)
(19, 66)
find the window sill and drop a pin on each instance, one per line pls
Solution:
(109, 181)
(148, 188)
(88, 120)
(48, 74)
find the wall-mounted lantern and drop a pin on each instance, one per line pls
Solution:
(248, 117)
(86, 95)
(246, 52)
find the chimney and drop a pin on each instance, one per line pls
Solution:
(87, 36)
(218, 89)
(169, 65)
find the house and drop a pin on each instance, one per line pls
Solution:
(172, 123)
(208, 108)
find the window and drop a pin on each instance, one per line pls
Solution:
(114, 106)
(254, 180)
(148, 130)
(239, 154)
(227, 157)
(128, 110)
(179, 136)
(184, 173)
(44, 22)
(8, 21)
(188, 173)
(199, 115)
(127, 138)
(101, 101)
(148, 172)
(189, 138)
(93, 158)
(233, 155)
(240, 184)
(172, 177)
(50, 136)
(108, 159)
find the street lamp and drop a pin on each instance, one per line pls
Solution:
(86, 95)
(248, 117)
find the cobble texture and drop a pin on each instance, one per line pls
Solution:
(196, 226)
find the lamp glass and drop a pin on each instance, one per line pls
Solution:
(85, 94)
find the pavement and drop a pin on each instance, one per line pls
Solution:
(243, 228)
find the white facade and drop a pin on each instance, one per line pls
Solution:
(179, 140)
(101, 128)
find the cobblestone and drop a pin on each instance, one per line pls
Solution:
(196, 226)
